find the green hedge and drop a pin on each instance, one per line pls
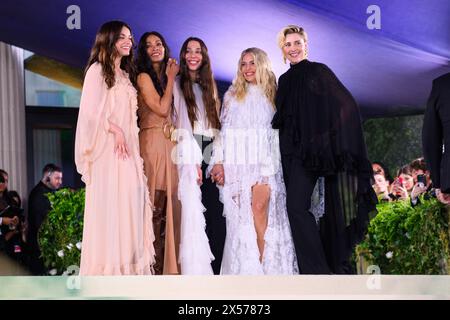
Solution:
(403, 239)
(400, 240)
(61, 232)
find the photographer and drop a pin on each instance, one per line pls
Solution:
(11, 217)
(379, 167)
(422, 181)
(11, 229)
(4, 194)
(6, 222)
(402, 185)
(381, 187)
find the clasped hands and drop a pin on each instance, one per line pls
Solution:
(217, 174)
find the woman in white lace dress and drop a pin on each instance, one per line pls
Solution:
(258, 238)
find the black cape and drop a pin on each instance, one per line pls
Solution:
(320, 125)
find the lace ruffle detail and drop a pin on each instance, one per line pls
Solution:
(195, 254)
(252, 118)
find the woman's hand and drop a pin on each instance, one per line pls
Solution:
(401, 192)
(379, 192)
(199, 175)
(172, 69)
(418, 189)
(218, 174)
(377, 189)
(120, 145)
(11, 221)
(443, 197)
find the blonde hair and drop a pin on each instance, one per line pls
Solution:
(265, 78)
(290, 29)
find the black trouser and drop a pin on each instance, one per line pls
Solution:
(215, 221)
(35, 261)
(305, 232)
(332, 228)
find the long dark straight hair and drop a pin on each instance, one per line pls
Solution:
(5, 195)
(144, 63)
(206, 81)
(105, 52)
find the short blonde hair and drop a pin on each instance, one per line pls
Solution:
(290, 29)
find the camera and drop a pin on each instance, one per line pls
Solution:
(398, 181)
(421, 178)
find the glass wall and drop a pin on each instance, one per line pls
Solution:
(46, 92)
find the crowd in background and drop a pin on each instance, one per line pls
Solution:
(19, 231)
(410, 181)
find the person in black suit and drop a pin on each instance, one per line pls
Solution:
(38, 208)
(436, 136)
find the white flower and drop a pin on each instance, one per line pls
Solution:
(69, 246)
(389, 255)
(78, 245)
(407, 235)
(60, 253)
(53, 272)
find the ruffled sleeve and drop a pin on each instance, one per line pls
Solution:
(93, 124)
(217, 155)
(187, 151)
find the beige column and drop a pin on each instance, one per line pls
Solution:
(12, 118)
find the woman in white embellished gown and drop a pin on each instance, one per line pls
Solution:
(258, 239)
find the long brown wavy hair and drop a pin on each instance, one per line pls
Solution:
(144, 63)
(105, 52)
(206, 81)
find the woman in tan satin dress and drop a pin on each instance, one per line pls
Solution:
(155, 83)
